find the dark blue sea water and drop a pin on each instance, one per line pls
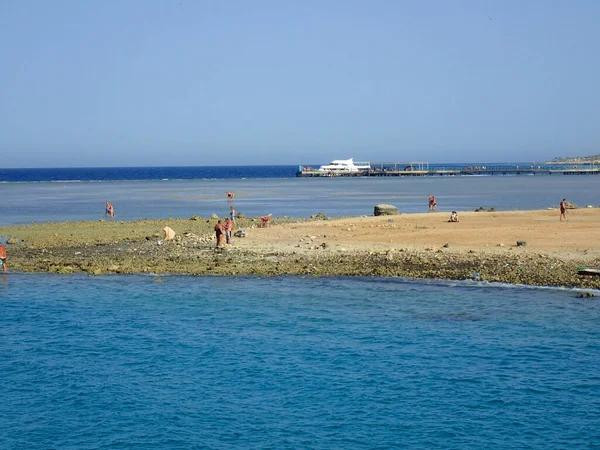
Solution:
(125, 362)
(75, 174)
(144, 173)
(54, 195)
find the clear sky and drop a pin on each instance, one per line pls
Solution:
(158, 82)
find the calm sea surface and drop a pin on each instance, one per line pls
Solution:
(80, 194)
(124, 362)
(197, 362)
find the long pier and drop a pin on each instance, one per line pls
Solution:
(422, 169)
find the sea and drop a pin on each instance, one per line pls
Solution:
(185, 362)
(76, 194)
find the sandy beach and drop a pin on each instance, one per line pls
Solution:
(482, 246)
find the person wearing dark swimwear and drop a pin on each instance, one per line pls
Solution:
(219, 233)
(230, 196)
(563, 209)
(432, 203)
(3, 257)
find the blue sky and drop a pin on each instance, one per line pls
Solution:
(157, 82)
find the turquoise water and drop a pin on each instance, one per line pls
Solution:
(197, 362)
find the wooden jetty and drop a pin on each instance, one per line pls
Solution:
(421, 169)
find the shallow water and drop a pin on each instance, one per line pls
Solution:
(195, 362)
(293, 197)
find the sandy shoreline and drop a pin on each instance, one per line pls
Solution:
(481, 246)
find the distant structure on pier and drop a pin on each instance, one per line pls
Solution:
(349, 168)
(592, 159)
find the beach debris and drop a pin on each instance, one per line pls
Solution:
(169, 233)
(385, 210)
(319, 216)
(521, 243)
(588, 271)
(240, 233)
(586, 295)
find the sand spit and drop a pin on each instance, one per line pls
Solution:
(482, 246)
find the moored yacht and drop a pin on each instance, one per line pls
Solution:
(344, 165)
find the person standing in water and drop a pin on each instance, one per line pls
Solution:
(432, 203)
(110, 210)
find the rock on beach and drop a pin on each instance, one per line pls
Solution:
(385, 210)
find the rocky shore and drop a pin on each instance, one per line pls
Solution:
(314, 247)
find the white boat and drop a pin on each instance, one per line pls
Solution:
(344, 165)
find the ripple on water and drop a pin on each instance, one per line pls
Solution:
(123, 362)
